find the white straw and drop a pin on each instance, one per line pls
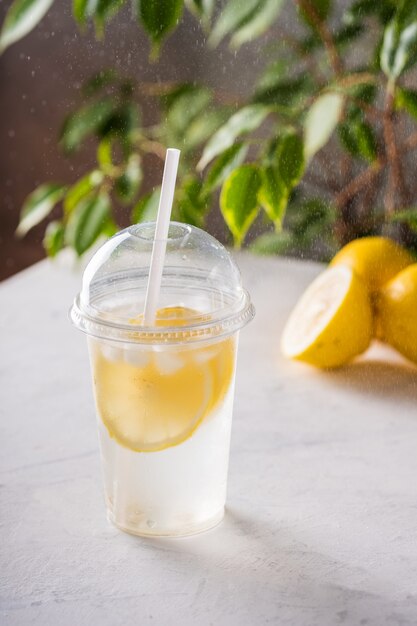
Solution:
(161, 234)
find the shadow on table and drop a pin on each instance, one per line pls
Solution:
(394, 381)
(268, 568)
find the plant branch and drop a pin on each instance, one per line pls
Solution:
(366, 176)
(358, 183)
(325, 34)
(153, 147)
(395, 178)
(320, 183)
(410, 143)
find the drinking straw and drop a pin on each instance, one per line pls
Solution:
(161, 234)
(123, 458)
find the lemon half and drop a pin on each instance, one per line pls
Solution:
(332, 322)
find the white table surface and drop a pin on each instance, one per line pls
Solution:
(321, 527)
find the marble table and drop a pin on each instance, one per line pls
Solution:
(321, 525)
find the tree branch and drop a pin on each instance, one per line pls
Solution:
(325, 34)
(358, 183)
(395, 178)
(410, 143)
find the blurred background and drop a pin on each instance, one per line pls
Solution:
(42, 74)
(40, 80)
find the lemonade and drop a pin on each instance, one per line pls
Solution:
(163, 391)
(164, 418)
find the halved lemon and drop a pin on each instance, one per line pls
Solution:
(332, 322)
(157, 402)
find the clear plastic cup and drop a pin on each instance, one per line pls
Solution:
(164, 394)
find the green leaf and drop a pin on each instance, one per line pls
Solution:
(273, 195)
(321, 9)
(321, 120)
(80, 11)
(235, 14)
(103, 11)
(406, 99)
(265, 15)
(223, 165)
(244, 121)
(358, 138)
(127, 185)
(186, 107)
(87, 222)
(84, 122)
(384, 9)
(121, 123)
(284, 93)
(202, 127)
(192, 206)
(53, 240)
(408, 217)
(22, 16)
(38, 205)
(273, 74)
(281, 175)
(345, 35)
(146, 210)
(399, 47)
(290, 159)
(159, 17)
(273, 243)
(110, 228)
(98, 81)
(168, 98)
(105, 154)
(81, 189)
(203, 9)
(310, 219)
(239, 200)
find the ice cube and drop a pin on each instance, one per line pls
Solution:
(136, 357)
(204, 355)
(112, 351)
(168, 362)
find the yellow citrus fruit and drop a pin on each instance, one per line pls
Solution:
(375, 259)
(153, 398)
(332, 322)
(396, 312)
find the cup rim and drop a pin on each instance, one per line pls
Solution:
(195, 331)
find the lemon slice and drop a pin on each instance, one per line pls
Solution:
(332, 322)
(146, 409)
(157, 398)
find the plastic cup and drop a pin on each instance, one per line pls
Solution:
(163, 393)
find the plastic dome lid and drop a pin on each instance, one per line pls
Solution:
(199, 274)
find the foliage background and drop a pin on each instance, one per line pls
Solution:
(56, 76)
(40, 77)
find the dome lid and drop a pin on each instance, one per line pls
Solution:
(199, 274)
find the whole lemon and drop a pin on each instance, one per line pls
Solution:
(332, 322)
(375, 259)
(396, 312)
